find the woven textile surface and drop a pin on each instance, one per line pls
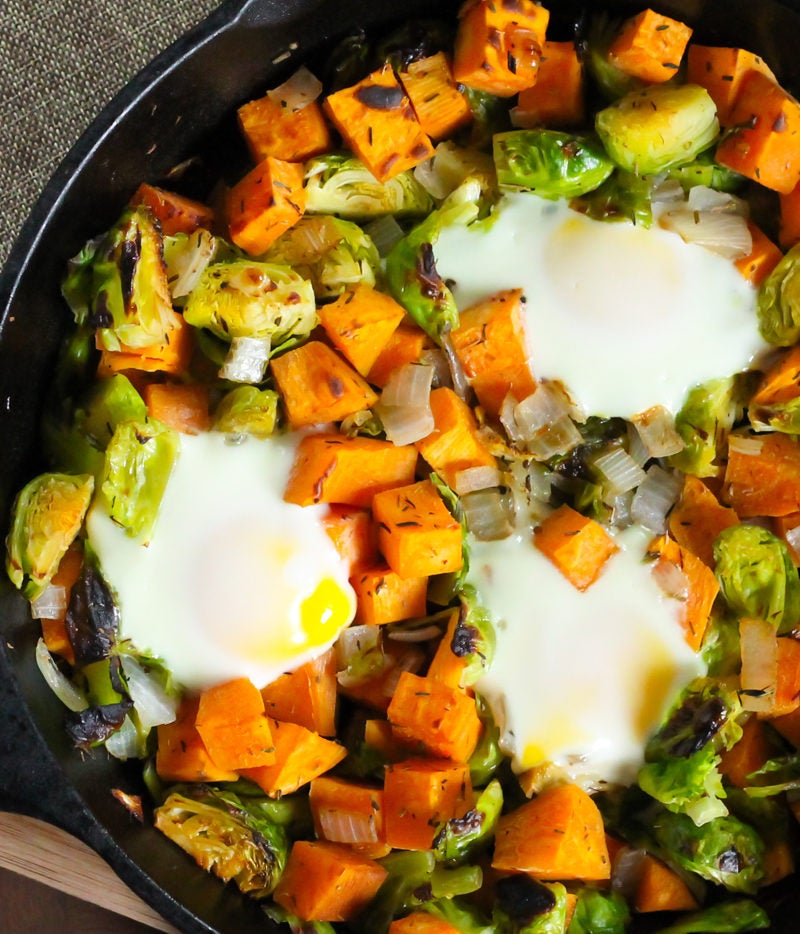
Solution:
(61, 61)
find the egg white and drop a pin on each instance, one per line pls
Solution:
(218, 592)
(625, 317)
(579, 678)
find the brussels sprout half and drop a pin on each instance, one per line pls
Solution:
(658, 127)
(47, 516)
(779, 302)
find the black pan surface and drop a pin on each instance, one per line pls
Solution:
(179, 106)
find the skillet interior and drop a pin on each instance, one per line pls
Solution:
(179, 106)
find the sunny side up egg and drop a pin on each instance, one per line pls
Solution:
(625, 318)
(235, 582)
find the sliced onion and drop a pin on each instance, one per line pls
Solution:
(416, 634)
(404, 425)
(792, 537)
(412, 660)
(385, 233)
(342, 826)
(487, 515)
(621, 516)
(703, 198)
(745, 445)
(671, 579)
(636, 447)
(725, 234)
(360, 656)
(437, 359)
(619, 471)
(477, 478)
(432, 180)
(667, 191)
(759, 676)
(409, 385)
(458, 377)
(51, 603)
(655, 496)
(627, 871)
(298, 92)
(656, 429)
(154, 705)
(541, 422)
(247, 360)
(69, 695)
(124, 743)
(405, 404)
(187, 260)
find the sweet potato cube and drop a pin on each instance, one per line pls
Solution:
(788, 528)
(701, 586)
(697, 519)
(787, 688)
(762, 477)
(577, 546)
(231, 722)
(377, 691)
(454, 444)
(492, 346)
(443, 720)
(173, 212)
(346, 812)
(318, 386)
(781, 382)
(720, 70)
(385, 597)
(764, 140)
(406, 345)
(650, 46)
(300, 756)
(661, 889)
(378, 123)
(440, 106)
(360, 323)
(419, 794)
(446, 665)
(420, 922)
(763, 257)
(270, 129)
(749, 754)
(499, 45)
(172, 357)
(557, 98)
(416, 532)
(306, 696)
(182, 406)
(788, 725)
(182, 756)
(332, 468)
(354, 534)
(559, 835)
(789, 233)
(265, 203)
(326, 881)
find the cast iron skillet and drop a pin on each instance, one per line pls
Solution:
(178, 106)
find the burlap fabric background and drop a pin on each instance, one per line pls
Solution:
(61, 61)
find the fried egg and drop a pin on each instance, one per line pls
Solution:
(580, 679)
(625, 317)
(235, 582)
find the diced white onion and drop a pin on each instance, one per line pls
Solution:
(432, 180)
(458, 377)
(418, 634)
(487, 515)
(409, 385)
(671, 579)
(619, 471)
(725, 234)
(298, 92)
(405, 404)
(404, 425)
(477, 478)
(59, 683)
(385, 233)
(655, 496)
(360, 656)
(621, 510)
(759, 674)
(187, 263)
(744, 444)
(792, 537)
(124, 743)
(154, 706)
(342, 826)
(437, 359)
(51, 603)
(667, 191)
(541, 422)
(559, 438)
(703, 198)
(412, 660)
(247, 360)
(627, 871)
(656, 429)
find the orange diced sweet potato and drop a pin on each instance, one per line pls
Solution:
(419, 794)
(385, 597)
(446, 665)
(499, 45)
(318, 386)
(762, 258)
(749, 754)
(182, 406)
(174, 213)
(443, 720)
(354, 534)
(306, 696)
(182, 756)
(650, 46)
(360, 323)
(332, 468)
(265, 203)
(454, 444)
(557, 98)
(172, 357)
(230, 720)
(406, 345)
(440, 106)
(762, 478)
(347, 812)
(559, 835)
(416, 532)
(578, 546)
(492, 347)
(54, 631)
(697, 519)
(764, 140)
(378, 123)
(420, 922)
(789, 233)
(660, 888)
(720, 70)
(289, 135)
(326, 881)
